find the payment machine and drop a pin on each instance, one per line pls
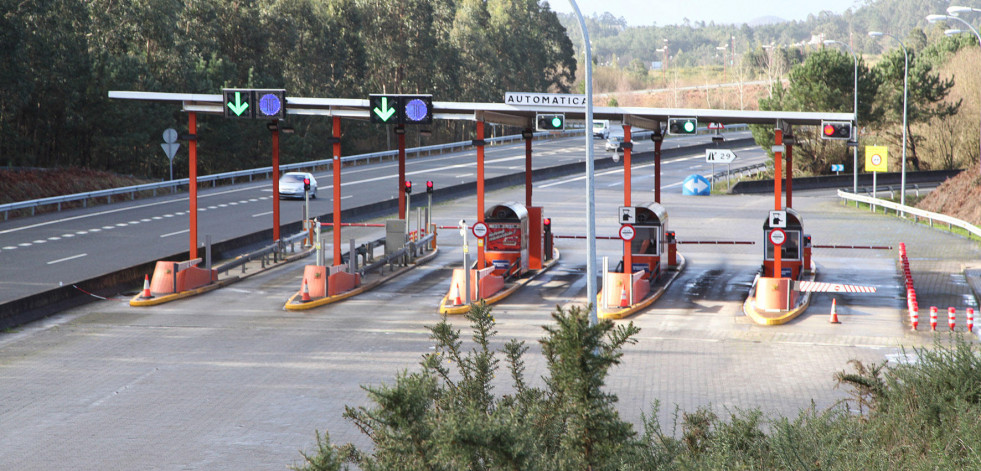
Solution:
(791, 251)
(650, 239)
(507, 238)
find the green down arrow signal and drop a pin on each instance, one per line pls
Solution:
(238, 108)
(385, 112)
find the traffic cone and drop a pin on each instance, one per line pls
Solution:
(624, 302)
(457, 301)
(970, 319)
(305, 296)
(146, 287)
(915, 316)
(834, 311)
(933, 318)
(951, 317)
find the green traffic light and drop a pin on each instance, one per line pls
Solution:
(689, 126)
(556, 122)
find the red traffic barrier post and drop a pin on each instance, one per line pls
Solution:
(970, 319)
(951, 318)
(933, 318)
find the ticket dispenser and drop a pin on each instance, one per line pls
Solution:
(507, 239)
(649, 239)
(791, 254)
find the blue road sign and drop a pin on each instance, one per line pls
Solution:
(696, 185)
(837, 167)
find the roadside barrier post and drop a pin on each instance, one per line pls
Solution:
(951, 317)
(933, 318)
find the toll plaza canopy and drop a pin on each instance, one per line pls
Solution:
(501, 113)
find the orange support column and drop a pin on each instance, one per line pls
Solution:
(657, 167)
(480, 190)
(790, 173)
(528, 136)
(336, 133)
(275, 182)
(400, 132)
(192, 175)
(777, 179)
(628, 265)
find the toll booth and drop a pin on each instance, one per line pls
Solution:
(791, 252)
(507, 238)
(650, 239)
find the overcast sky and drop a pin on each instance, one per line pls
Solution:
(669, 12)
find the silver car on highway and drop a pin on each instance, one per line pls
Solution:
(291, 185)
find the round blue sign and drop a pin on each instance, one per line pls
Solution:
(270, 105)
(416, 110)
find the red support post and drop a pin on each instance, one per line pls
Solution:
(628, 260)
(528, 169)
(401, 191)
(480, 189)
(336, 133)
(657, 171)
(790, 174)
(192, 174)
(777, 169)
(275, 182)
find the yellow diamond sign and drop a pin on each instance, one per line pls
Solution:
(876, 158)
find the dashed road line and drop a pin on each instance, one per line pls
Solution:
(73, 257)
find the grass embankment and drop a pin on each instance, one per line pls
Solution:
(31, 184)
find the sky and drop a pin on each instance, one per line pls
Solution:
(670, 12)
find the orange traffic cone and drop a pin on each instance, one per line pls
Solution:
(834, 311)
(146, 287)
(624, 302)
(455, 294)
(305, 297)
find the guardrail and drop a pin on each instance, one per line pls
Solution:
(265, 172)
(915, 212)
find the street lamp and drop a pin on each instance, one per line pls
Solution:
(590, 191)
(954, 10)
(854, 113)
(876, 34)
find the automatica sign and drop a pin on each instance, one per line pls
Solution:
(546, 99)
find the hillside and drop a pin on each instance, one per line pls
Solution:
(959, 197)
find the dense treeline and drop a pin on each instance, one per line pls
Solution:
(59, 58)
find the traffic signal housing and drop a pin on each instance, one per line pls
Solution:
(415, 109)
(429, 187)
(682, 125)
(836, 130)
(550, 122)
(270, 104)
(408, 187)
(238, 103)
(306, 184)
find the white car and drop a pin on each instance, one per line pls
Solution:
(291, 185)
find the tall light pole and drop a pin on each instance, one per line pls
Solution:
(954, 10)
(590, 196)
(876, 34)
(854, 115)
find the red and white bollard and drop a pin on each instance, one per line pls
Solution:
(970, 319)
(933, 318)
(951, 317)
(914, 315)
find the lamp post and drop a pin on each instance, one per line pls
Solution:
(954, 10)
(854, 115)
(590, 197)
(876, 34)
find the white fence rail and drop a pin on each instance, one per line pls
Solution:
(916, 213)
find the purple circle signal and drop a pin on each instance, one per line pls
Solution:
(416, 110)
(269, 104)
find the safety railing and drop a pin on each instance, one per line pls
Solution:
(915, 212)
(265, 172)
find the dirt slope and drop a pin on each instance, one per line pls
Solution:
(959, 197)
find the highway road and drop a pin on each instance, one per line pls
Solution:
(47, 251)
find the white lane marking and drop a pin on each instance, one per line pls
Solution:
(145, 220)
(10, 247)
(39, 241)
(82, 232)
(68, 236)
(346, 197)
(134, 222)
(54, 238)
(262, 214)
(94, 230)
(157, 218)
(175, 233)
(24, 244)
(108, 227)
(168, 215)
(122, 224)
(464, 175)
(73, 257)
